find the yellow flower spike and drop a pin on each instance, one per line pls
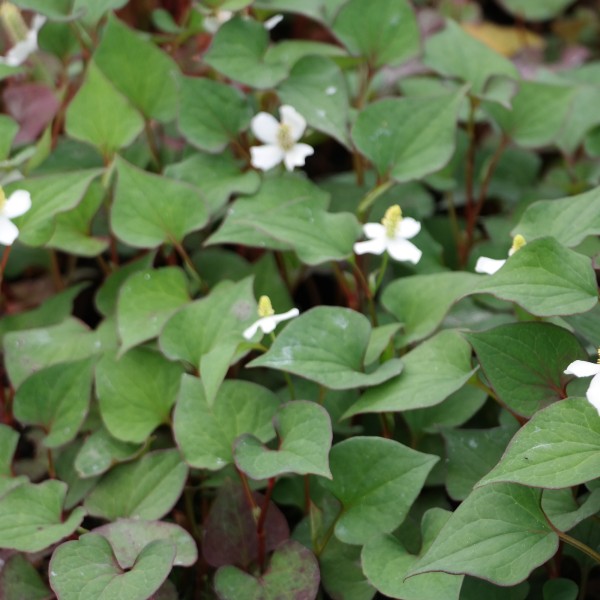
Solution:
(391, 220)
(285, 138)
(518, 242)
(2, 199)
(265, 308)
(598, 361)
(13, 22)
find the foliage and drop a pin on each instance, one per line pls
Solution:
(227, 372)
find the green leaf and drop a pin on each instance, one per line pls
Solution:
(217, 176)
(322, 11)
(564, 510)
(65, 471)
(290, 213)
(559, 447)
(128, 537)
(327, 345)
(471, 454)
(87, 568)
(380, 339)
(524, 362)
(317, 89)
(545, 279)
(293, 573)
(59, 9)
(146, 302)
(289, 52)
(536, 10)
(136, 392)
(50, 195)
(205, 433)
(20, 579)
(432, 371)
(498, 533)
(9, 438)
(34, 349)
(150, 210)
(537, 114)
(72, 228)
(304, 432)
(96, 9)
(145, 489)
(386, 561)
(31, 516)
(101, 451)
(570, 220)
(211, 114)
(101, 116)
(57, 399)
(408, 138)
(421, 302)
(386, 34)
(148, 78)
(376, 480)
(455, 53)
(560, 589)
(238, 52)
(8, 130)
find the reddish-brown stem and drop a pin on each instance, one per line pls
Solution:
(5, 256)
(260, 526)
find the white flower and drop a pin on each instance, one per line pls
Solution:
(280, 140)
(268, 319)
(17, 204)
(392, 234)
(491, 265)
(19, 53)
(583, 368)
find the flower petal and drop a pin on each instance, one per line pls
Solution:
(265, 127)
(401, 249)
(251, 331)
(38, 22)
(374, 246)
(488, 265)
(296, 157)
(593, 393)
(266, 157)
(290, 314)
(294, 120)
(582, 368)
(374, 230)
(9, 232)
(272, 22)
(408, 228)
(17, 204)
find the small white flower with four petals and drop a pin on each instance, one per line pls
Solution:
(490, 266)
(268, 319)
(392, 234)
(20, 52)
(280, 140)
(583, 368)
(17, 204)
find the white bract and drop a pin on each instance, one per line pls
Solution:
(492, 265)
(392, 234)
(215, 18)
(280, 140)
(268, 319)
(17, 204)
(583, 368)
(19, 53)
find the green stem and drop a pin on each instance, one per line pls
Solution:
(190, 266)
(364, 284)
(380, 275)
(579, 545)
(189, 511)
(369, 199)
(287, 377)
(152, 145)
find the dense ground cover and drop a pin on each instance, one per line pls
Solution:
(299, 299)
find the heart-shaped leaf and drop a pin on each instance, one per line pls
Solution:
(230, 536)
(376, 480)
(290, 213)
(386, 561)
(498, 533)
(293, 574)
(149, 210)
(20, 579)
(408, 138)
(565, 511)
(304, 431)
(447, 355)
(128, 537)
(524, 362)
(559, 447)
(57, 399)
(146, 301)
(136, 392)
(145, 489)
(327, 345)
(205, 432)
(87, 568)
(31, 516)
